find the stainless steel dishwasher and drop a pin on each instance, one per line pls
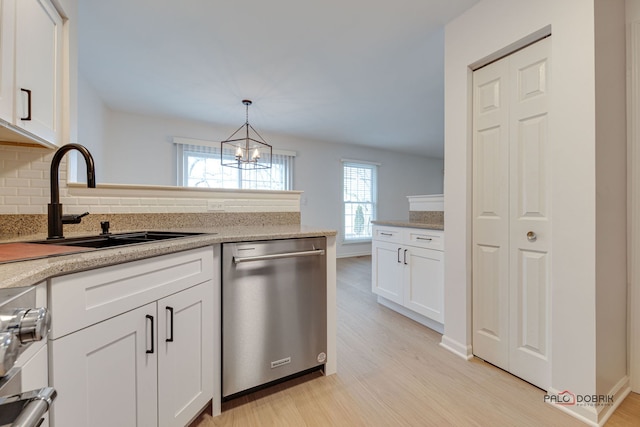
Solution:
(274, 311)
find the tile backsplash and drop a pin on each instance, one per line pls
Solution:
(24, 179)
(24, 189)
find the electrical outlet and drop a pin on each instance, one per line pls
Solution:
(215, 205)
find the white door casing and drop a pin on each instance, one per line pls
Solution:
(511, 226)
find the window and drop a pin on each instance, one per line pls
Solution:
(199, 166)
(359, 199)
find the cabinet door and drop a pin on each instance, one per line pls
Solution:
(387, 269)
(104, 375)
(38, 62)
(7, 28)
(424, 282)
(185, 359)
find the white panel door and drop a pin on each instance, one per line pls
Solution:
(103, 374)
(529, 352)
(511, 214)
(490, 255)
(185, 359)
(387, 272)
(38, 77)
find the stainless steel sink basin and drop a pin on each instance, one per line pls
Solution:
(118, 239)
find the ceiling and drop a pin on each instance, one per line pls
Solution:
(330, 70)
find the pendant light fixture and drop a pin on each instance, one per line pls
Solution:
(247, 150)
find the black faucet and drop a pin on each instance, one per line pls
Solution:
(56, 218)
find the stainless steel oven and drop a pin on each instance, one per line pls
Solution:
(21, 324)
(274, 311)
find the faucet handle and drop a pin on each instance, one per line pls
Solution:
(73, 219)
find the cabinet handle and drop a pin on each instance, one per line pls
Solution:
(28, 105)
(170, 310)
(399, 249)
(386, 234)
(405, 256)
(428, 239)
(152, 337)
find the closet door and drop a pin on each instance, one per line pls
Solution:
(491, 213)
(511, 216)
(529, 261)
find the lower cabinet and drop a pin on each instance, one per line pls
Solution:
(152, 365)
(408, 269)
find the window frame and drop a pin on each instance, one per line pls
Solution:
(210, 149)
(374, 199)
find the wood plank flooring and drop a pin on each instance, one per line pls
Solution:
(392, 372)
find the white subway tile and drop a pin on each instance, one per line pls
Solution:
(29, 191)
(127, 201)
(39, 201)
(8, 191)
(88, 201)
(40, 183)
(30, 174)
(110, 201)
(69, 201)
(4, 209)
(31, 209)
(16, 200)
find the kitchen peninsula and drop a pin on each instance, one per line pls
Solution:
(185, 268)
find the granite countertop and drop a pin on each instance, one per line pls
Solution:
(410, 224)
(32, 271)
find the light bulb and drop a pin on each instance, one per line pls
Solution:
(238, 153)
(256, 155)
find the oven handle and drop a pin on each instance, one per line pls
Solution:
(238, 260)
(37, 404)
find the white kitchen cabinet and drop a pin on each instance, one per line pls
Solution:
(31, 71)
(141, 349)
(103, 375)
(185, 354)
(407, 272)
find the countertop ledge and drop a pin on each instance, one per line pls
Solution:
(32, 271)
(409, 224)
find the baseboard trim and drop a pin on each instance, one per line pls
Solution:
(457, 348)
(431, 324)
(619, 392)
(354, 254)
(596, 416)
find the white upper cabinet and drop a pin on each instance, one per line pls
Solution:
(30, 72)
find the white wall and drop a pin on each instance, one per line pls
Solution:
(138, 149)
(633, 184)
(91, 127)
(611, 194)
(489, 27)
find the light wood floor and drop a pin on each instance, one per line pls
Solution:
(392, 372)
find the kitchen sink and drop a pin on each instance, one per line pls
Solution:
(118, 239)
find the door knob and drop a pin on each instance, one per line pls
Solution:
(531, 236)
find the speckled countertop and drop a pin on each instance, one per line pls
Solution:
(411, 224)
(32, 271)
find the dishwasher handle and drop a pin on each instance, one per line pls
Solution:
(238, 260)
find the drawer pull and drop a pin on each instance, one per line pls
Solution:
(386, 234)
(149, 317)
(399, 249)
(405, 256)
(170, 310)
(28, 92)
(428, 239)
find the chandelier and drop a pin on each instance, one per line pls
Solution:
(247, 150)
